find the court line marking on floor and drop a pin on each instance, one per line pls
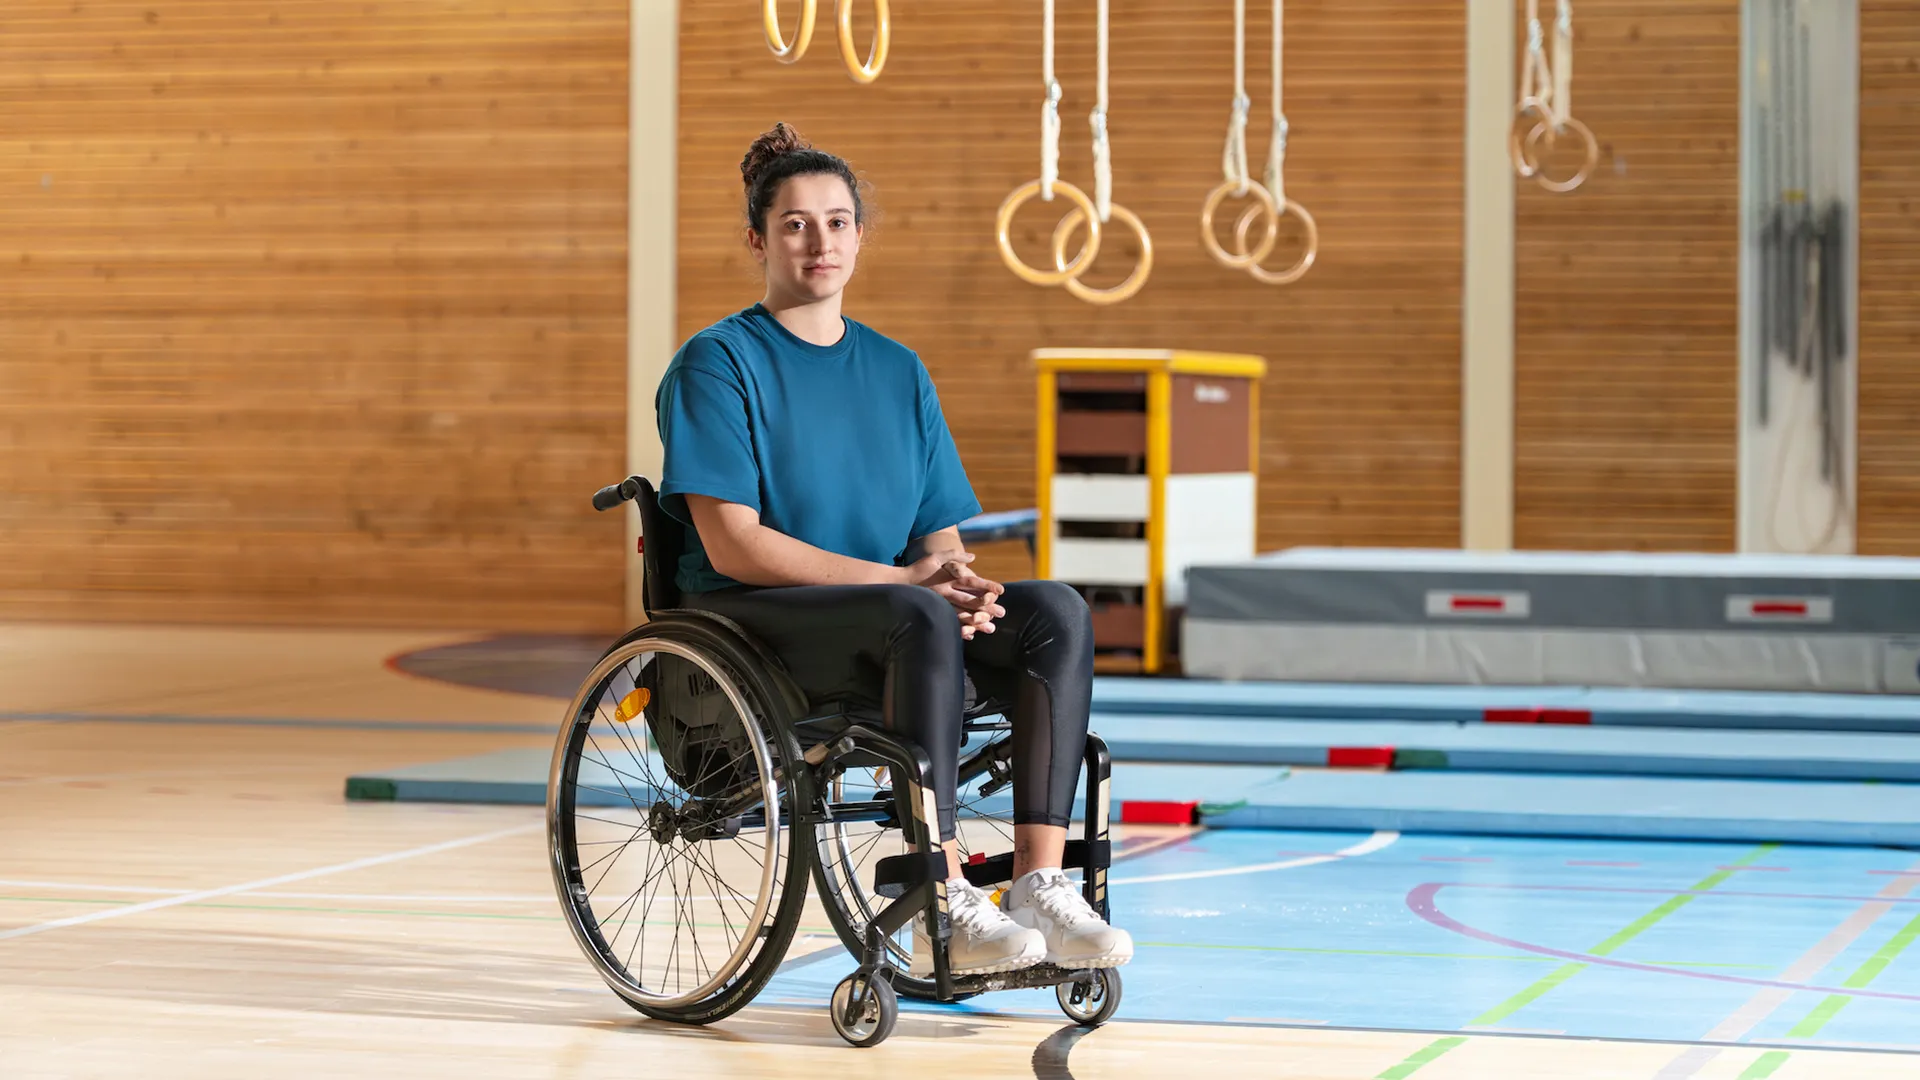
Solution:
(1830, 1006)
(1420, 901)
(1768, 1001)
(1378, 841)
(264, 883)
(463, 726)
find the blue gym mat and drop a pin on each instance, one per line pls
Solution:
(1599, 706)
(1799, 755)
(1588, 806)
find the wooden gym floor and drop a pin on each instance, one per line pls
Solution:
(184, 892)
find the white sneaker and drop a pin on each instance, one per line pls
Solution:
(1050, 902)
(984, 940)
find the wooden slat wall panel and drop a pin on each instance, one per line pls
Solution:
(1626, 306)
(1361, 413)
(312, 312)
(1889, 477)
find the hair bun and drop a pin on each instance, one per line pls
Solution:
(773, 144)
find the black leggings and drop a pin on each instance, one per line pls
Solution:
(898, 648)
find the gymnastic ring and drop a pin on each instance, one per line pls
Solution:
(1543, 113)
(1263, 201)
(1299, 269)
(882, 38)
(1004, 224)
(1134, 282)
(1586, 167)
(782, 51)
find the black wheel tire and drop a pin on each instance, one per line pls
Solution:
(752, 668)
(1100, 1001)
(882, 1010)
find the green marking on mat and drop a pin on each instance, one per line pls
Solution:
(1419, 759)
(1634, 929)
(1766, 1066)
(1567, 971)
(370, 789)
(1831, 1005)
(1528, 996)
(1420, 1058)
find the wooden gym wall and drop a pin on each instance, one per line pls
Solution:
(1361, 410)
(1626, 307)
(312, 312)
(1889, 482)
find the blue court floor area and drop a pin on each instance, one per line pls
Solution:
(1725, 944)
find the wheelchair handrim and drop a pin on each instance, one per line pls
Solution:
(559, 826)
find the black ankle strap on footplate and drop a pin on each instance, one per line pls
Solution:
(895, 874)
(998, 869)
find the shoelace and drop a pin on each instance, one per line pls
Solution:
(1060, 898)
(968, 908)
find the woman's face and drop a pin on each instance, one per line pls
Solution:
(811, 241)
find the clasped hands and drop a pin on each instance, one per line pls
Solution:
(974, 598)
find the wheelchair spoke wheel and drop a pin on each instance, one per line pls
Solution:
(850, 843)
(677, 852)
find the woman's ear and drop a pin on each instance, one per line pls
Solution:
(757, 244)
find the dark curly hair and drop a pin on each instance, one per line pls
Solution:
(779, 155)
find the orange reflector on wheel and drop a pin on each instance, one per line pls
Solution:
(631, 705)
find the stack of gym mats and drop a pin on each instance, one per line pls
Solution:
(1630, 763)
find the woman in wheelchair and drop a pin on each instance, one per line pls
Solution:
(810, 460)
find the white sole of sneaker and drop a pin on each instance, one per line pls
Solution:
(1094, 962)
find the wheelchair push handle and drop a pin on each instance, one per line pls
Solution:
(614, 494)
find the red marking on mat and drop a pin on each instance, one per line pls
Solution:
(1359, 757)
(1896, 873)
(1777, 607)
(1537, 715)
(640, 545)
(976, 858)
(1478, 603)
(1154, 812)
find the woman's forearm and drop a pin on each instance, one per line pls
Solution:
(753, 554)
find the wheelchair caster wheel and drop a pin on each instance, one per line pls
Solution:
(864, 1009)
(1093, 1002)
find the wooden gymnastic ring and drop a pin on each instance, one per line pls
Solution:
(1540, 131)
(1003, 228)
(1263, 202)
(882, 39)
(782, 51)
(1299, 269)
(1529, 107)
(1134, 282)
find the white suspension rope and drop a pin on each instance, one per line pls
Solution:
(1562, 100)
(1233, 159)
(1277, 144)
(1536, 81)
(1102, 148)
(1049, 112)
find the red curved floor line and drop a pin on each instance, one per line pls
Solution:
(1422, 903)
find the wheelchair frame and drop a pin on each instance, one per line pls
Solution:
(864, 1006)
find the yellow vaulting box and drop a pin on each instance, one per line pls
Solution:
(1148, 464)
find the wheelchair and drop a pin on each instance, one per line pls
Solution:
(694, 791)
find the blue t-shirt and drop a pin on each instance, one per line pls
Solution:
(842, 446)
